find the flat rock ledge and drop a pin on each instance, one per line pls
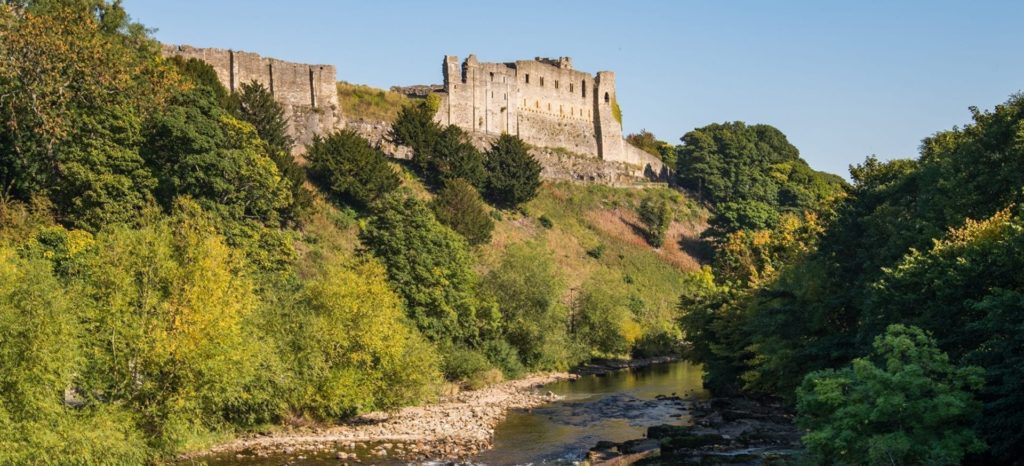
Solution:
(455, 428)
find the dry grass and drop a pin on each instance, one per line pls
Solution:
(624, 225)
(369, 103)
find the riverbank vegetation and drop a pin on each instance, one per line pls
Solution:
(807, 281)
(170, 276)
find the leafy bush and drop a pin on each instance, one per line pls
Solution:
(349, 168)
(603, 320)
(461, 363)
(505, 357)
(545, 221)
(656, 214)
(460, 207)
(527, 286)
(193, 330)
(903, 404)
(596, 252)
(353, 348)
(514, 175)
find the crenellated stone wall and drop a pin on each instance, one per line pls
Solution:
(308, 93)
(543, 101)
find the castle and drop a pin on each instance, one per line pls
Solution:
(543, 101)
(308, 93)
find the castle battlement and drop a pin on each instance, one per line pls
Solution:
(544, 101)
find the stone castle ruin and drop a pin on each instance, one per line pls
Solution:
(308, 93)
(565, 114)
(546, 103)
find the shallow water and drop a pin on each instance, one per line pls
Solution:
(617, 406)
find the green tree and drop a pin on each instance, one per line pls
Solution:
(527, 285)
(967, 290)
(201, 74)
(165, 311)
(647, 142)
(460, 207)
(39, 359)
(453, 156)
(256, 105)
(197, 149)
(904, 404)
(430, 268)
(78, 86)
(514, 175)
(656, 215)
(346, 164)
(415, 128)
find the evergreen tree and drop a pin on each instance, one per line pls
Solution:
(514, 175)
(347, 166)
(460, 207)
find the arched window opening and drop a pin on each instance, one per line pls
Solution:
(541, 81)
(583, 86)
(606, 98)
(527, 78)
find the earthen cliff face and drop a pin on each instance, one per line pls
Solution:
(308, 93)
(543, 101)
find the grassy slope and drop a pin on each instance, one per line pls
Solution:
(587, 216)
(369, 103)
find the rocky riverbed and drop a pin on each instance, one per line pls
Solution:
(723, 431)
(455, 428)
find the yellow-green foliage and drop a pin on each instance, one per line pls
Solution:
(168, 301)
(356, 352)
(369, 103)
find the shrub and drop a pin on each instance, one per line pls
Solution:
(353, 348)
(527, 285)
(505, 357)
(173, 296)
(350, 169)
(514, 175)
(903, 404)
(603, 320)
(461, 363)
(656, 214)
(596, 252)
(460, 207)
(545, 221)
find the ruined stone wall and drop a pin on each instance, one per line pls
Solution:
(543, 101)
(308, 93)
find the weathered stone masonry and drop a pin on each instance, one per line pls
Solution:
(543, 101)
(308, 93)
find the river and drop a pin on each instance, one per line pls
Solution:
(617, 406)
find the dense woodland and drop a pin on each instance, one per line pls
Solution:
(170, 276)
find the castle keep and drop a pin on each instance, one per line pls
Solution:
(543, 101)
(308, 93)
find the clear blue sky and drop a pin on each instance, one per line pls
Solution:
(842, 79)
